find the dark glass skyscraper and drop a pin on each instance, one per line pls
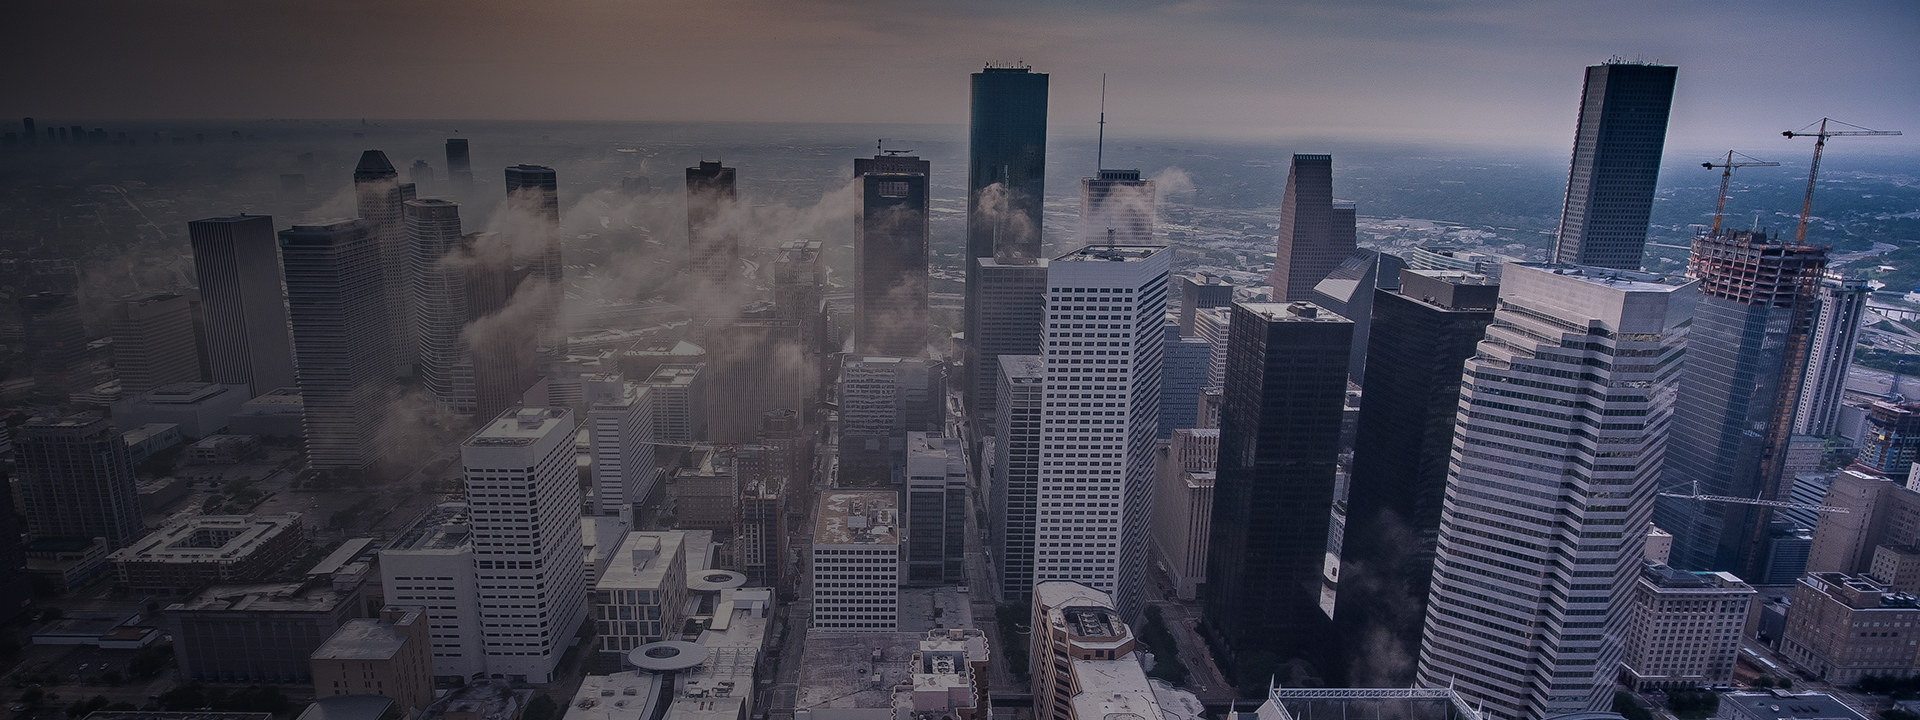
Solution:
(1348, 292)
(459, 166)
(1739, 390)
(890, 256)
(238, 263)
(1273, 488)
(1616, 162)
(1422, 335)
(1315, 233)
(1006, 188)
(713, 248)
(337, 305)
(535, 189)
(381, 198)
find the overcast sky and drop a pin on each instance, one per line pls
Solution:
(1472, 71)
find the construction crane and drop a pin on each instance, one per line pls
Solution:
(1806, 205)
(1695, 495)
(1726, 176)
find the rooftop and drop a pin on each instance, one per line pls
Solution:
(362, 639)
(1112, 253)
(521, 426)
(641, 561)
(185, 393)
(621, 696)
(447, 527)
(208, 538)
(482, 699)
(264, 597)
(1292, 312)
(1785, 705)
(347, 707)
(857, 517)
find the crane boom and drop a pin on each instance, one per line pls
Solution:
(1813, 173)
(1726, 176)
(1695, 495)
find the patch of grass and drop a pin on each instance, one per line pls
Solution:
(1166, 652)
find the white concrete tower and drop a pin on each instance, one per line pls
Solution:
(619, 417)
(1563, 421)
(1105, 304)
(525, 505)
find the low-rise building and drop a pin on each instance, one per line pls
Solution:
(258, 633)
(856, 561)
(222, 449)
(1784, 705)
(1083, 660)
(67, 562)
(705, 490)
(279, 413)
(600, 536)
(150, 439)
(480, 700)
(202, 550)
(200, 409)
(1846, 627)
(641, 596)
(385, 656)
(947, 678)
(1684, 628)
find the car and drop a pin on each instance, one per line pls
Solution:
(18, 708)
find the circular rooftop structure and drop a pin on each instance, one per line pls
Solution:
(714, 580)
(667, 655)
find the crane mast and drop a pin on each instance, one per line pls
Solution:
(1813, 173)
(1726, 176)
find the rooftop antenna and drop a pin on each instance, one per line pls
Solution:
(880, 146)
(1100, 146)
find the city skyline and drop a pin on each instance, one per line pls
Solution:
(1366, 60)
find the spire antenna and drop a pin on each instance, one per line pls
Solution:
(1100, 146)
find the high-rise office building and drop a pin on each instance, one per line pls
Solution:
(1199, 291)
(1006, 185)
(153, 342)
(1739, 388)
(799, 283)
(1889, 438)
(381, 200)
(440, 258)
(1843, 301)
(713, 243)
(1105, 304)
(1316, 233)
(1578, 372)
(936, 497)
(1010, 314)
(1183, 508)
(1184, 362)
(1116, 207)
(237, 261)
(679, 402)
(336, 303)
(459, 167)
(1348, 292)
(1273, 485)
(1084, 658)
(535, 191)
(1421, 338)
(56, 342)
(1616, 164)
(1214, 325)
(1686, 628)
(1014, 486)
(526, 454)
(619, 424)
(881, 400)
(76, 480)
(890, 256)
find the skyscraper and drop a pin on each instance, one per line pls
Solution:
(1348, 292)
(1010, 317)
(1014, 488)
(1006, 184)
(56, 342)
(153, 342)
(1199, 291)
(882, 399)
(440, 259)
(76, 480)
(459, 167)
(381, 198)
(1616, 163)
(1843, 300)
(1116, 206)
(1557, 450)
(337, 306)
(713, 244)
(526, 454)
(890, 256)
(936, 498)
(1184, 362)
(535, 190)
(1421, 337)
(619, 421)
(1273, 485)
(1315, 234)
(238, 264)
(1739, 389)
(1105, 304)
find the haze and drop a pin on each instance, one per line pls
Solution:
(1481, 72)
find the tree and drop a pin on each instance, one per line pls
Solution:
(82, 707)
(1630, 708)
